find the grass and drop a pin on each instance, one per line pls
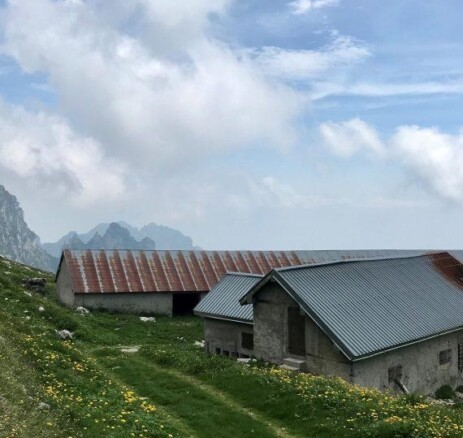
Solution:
(88, 387)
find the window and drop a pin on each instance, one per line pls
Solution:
(217, 350)
(247, 340)
(395, 373)
(226, 353)
(445, 356)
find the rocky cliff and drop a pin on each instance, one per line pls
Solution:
(17, 241)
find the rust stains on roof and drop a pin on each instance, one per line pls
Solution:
(120, 271)
(449, 267)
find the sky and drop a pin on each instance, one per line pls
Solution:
(299, 124)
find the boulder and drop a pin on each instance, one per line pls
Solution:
(35, 284)
(64, 334)
(147, 319)
(82, 310)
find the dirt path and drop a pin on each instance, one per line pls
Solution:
(195, 407)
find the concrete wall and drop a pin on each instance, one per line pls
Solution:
(270, 323)
(63, 287)
(420, 366)
(226, 335)
(137, 303)
(420, 362)
(271, 335)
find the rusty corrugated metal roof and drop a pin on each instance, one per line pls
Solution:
(110, 271)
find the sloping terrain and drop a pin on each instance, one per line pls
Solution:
(122, 377)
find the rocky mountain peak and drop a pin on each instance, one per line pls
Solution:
(17, 241)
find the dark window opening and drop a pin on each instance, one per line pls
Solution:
(247, 340)
(217, 350)
(183, 304)
(226, 353)
(460, 357)
(395, 373)
(445, 356)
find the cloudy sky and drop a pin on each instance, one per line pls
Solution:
(306, 124)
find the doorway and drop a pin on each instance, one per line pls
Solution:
(184, 303)
(296, 332)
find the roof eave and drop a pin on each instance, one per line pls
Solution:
(223, 318)
(59, 264)
(405, 344)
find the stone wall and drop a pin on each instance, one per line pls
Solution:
(226, 336)
(420, 366)
(136, 303)
(271, 335)
(63, 287)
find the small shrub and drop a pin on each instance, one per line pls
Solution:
(414, 399)
(445, 392)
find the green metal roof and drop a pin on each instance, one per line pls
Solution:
(369, 307)
(223, 301)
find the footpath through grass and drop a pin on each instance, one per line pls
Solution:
(89, 387)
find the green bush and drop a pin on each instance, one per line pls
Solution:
(445, 392)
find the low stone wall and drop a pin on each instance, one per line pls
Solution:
(137, 303)
(225, 337)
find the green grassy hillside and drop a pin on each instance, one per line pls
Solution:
(121, 377)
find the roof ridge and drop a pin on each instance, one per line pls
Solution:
(244, 274)
(367, 259)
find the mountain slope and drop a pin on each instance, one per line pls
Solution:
(121, 377)
(17, 241)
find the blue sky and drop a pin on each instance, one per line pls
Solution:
(308, 124)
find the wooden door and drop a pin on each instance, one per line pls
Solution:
(296, 332)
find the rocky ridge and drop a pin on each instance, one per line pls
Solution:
(17, 241)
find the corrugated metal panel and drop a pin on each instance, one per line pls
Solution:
(102, 271)
(223, 300)
(371, 306)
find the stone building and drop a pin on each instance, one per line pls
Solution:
(166, 281)
(387, 323)
(228, 326)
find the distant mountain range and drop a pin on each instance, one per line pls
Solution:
(18, 242)
(121, 235)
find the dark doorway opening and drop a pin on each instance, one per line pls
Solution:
(183, 304)
(296, 332)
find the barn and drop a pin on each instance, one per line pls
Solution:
(228, 326)
(394, 323)
(168, 282)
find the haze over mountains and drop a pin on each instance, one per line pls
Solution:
(18, 242)
(121, 235)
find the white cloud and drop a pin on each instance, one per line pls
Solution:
(341, 53)
(300, 7)
(270, 192)
(434, 158)
(324, 89)
(44, 148)
(148, 103)
(346, 138)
